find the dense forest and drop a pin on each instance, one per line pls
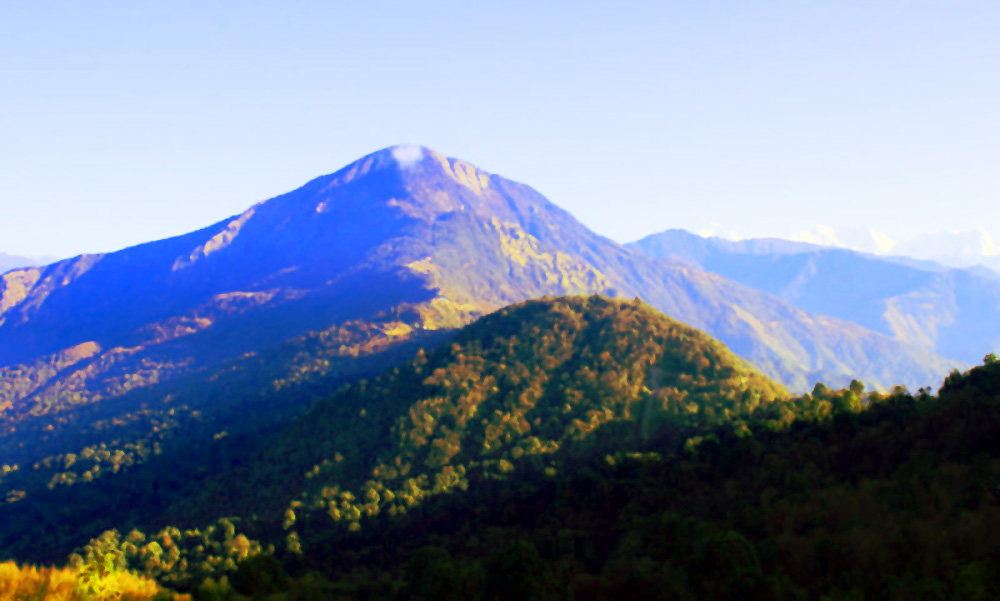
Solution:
(581, 448)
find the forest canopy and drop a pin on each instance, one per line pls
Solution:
(590, 448)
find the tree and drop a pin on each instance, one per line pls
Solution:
(517, 572)
(431, 575)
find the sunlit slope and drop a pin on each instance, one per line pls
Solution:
(834, 495)
(30, 583)
(539, 381)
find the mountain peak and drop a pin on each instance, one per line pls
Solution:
(419, 162)
(407, 155)
(414, 161)
(863, 239)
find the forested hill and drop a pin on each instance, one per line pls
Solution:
(543, 380)
(834, 495)
(590, 448)
(522, 391)
(539, 381)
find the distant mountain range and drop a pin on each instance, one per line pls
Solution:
(969, 248)
(8, 262)
(949, 311)
(863, 239)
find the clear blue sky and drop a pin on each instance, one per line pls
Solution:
(122, 122)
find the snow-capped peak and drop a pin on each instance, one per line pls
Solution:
(863, 239)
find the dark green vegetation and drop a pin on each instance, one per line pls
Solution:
(948, 311)
(861, 497)
(539, 383)
(588, 448)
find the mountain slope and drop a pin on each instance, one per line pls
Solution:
(594, 448)
(542, 381)
(528, 388)
(893, 497)
(538, 379)
(951, 312)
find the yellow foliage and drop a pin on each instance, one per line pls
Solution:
(30, 583)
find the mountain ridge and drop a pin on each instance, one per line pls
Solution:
(969, 249)
(416, 228)
(946, 310)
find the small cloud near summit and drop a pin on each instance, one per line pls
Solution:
(408, 155)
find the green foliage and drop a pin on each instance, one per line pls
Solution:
(517, 572)
(890, 497)
(100, 568)
(310, 587)
(529, 385)
(431, 575)
(179, 558)
(210, 590)
(260, 574)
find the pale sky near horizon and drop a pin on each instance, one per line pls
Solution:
(123, 122)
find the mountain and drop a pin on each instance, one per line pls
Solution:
(972, 248)
(140, 371)
(951, 312)
(592, 448)
(529, 389)
(406, 230)
(890, 499)
(544, 379)
(863, 239)
(957, 249)
(8, 262)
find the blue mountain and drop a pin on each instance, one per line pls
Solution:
(951, 312)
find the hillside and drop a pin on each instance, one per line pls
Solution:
(589, 448)
(947, 311)
(545, 380)
(871, 496)
(539, 381)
